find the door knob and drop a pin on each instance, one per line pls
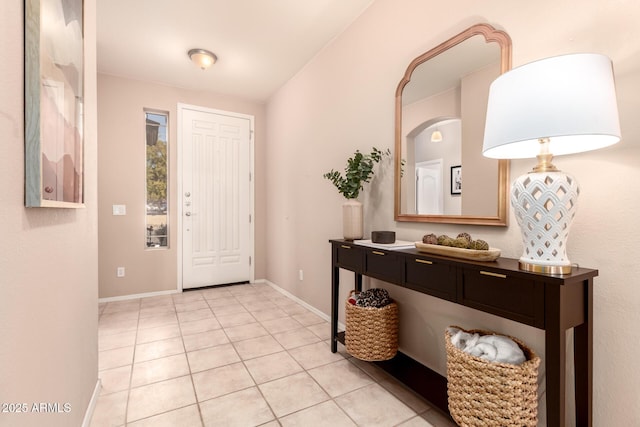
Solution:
(188, 213)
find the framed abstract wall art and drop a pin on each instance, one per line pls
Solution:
(54, 99)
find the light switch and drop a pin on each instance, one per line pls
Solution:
(119, 209)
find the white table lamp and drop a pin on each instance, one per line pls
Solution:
(560, 105)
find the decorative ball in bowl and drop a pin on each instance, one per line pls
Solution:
(462, 246)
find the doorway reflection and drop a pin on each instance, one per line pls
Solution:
(436, 147)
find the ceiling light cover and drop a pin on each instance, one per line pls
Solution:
(202, 58)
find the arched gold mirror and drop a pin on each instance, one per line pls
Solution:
(440, 111)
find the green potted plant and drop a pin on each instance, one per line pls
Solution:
(359, 170)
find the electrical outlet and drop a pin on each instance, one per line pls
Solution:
(300, 275)
(120, 272)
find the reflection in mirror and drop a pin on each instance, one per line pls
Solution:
(434, 150)
(440, 113)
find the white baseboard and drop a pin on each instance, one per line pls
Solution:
(151, 294)
(92, 405)
(301, 302)
(134, 296)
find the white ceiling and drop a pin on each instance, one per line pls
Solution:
(260, 44)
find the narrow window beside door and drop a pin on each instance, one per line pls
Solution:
(157, 218)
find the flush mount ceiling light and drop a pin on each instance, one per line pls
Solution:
(436, 136)
(202, 58)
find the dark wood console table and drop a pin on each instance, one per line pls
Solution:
(552, 303)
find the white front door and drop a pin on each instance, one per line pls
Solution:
(216, 197)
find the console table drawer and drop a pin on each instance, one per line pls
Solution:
(511, 297)
(430, 277)
(383, 265)
(349, 257)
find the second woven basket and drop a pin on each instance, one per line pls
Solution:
(483, 393)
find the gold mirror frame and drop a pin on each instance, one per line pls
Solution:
(490, 35)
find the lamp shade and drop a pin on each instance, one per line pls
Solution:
(569, 99)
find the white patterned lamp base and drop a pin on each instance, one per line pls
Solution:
(545, 204)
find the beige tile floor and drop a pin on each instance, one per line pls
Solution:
(243, 355)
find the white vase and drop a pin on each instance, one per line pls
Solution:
(352, 220)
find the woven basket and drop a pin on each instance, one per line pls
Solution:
(483, 393)
(371, 333)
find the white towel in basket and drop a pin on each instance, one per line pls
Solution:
(492, 348)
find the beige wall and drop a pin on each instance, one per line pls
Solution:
(344, 100)
(121, 104)
(48, 258)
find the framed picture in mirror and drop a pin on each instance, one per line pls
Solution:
(456, 180)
